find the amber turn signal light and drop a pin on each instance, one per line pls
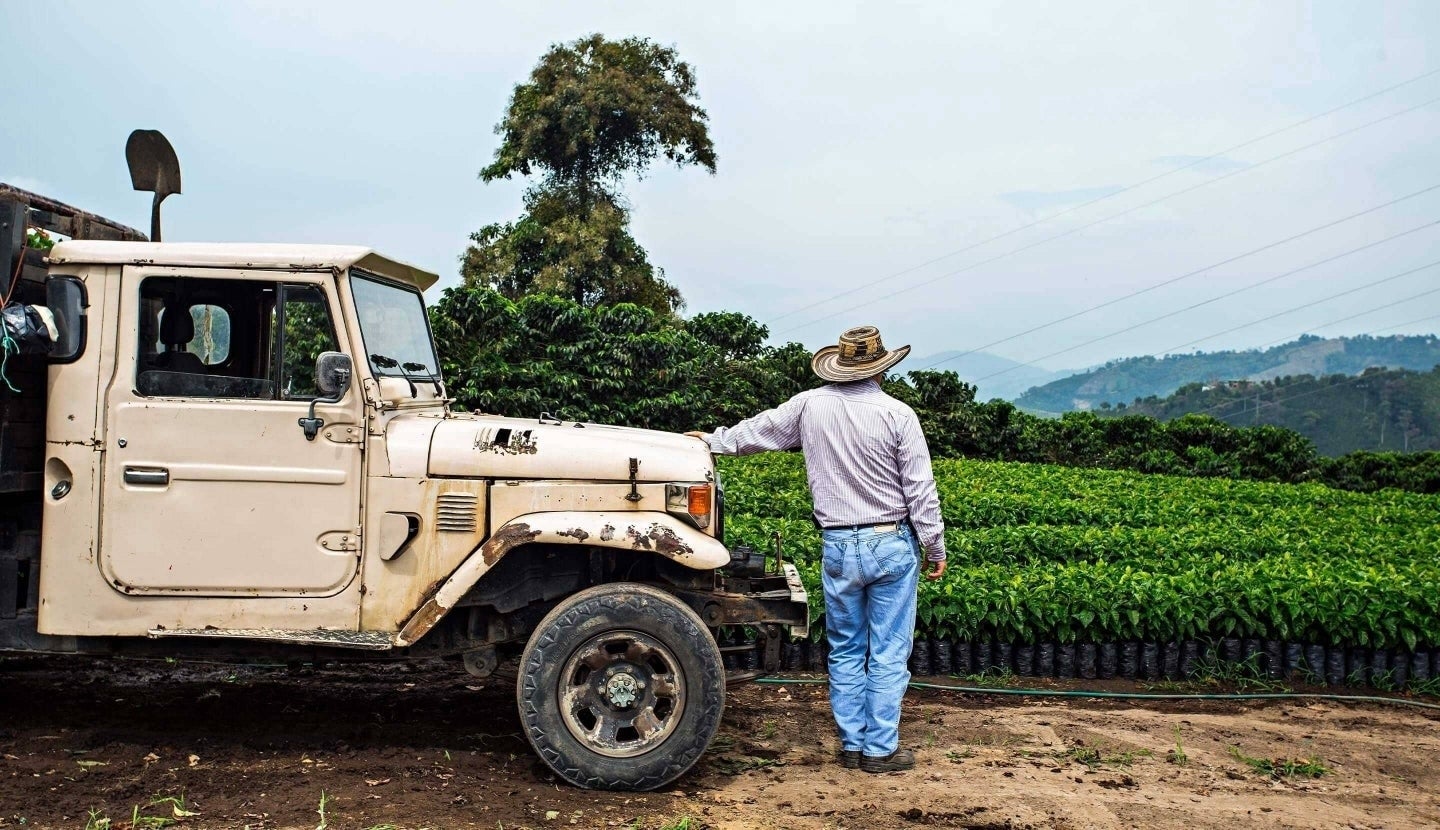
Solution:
(700, 495)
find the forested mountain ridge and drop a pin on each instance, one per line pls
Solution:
(1392, 410)
(1130, 379)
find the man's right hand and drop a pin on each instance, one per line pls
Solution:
(936, 569)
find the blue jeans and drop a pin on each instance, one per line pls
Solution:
(870, 582)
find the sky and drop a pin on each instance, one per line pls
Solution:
(870, 154)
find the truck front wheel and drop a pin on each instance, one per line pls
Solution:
(621, 688)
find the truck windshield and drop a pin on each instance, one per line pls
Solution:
(392, 320)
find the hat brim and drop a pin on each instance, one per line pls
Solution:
(826, 364)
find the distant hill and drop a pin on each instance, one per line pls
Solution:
(1135, 378)
(1390, 410)
(971, 366)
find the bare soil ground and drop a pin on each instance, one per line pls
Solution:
(132, 743)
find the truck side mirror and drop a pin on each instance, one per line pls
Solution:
(332, 377)
(332, 373)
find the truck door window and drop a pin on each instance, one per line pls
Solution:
(211, 325)
(307, 331)
(211, 338)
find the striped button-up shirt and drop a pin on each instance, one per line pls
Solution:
(865, 457)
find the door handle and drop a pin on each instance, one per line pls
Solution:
(154, 476)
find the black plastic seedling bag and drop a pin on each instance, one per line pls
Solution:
(1315, 662)
(962, 659)
(1420, 667)
(1065, 661)
(1109, 661)
(1003, 655)
(920, 658)
(940, 657)
(1086, 657)
(1025, 659)
(1045, 660)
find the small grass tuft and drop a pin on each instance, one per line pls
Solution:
(1094, 757)
(324, 801)
(1311, 767)
(1177, 755)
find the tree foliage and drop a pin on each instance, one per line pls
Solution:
(591, 112)
(621, 364)
(596, 109)
(563, 246)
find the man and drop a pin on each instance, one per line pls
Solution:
(874, 499)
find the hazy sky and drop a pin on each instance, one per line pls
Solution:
(855, 142)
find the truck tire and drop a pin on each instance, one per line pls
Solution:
(621, 687)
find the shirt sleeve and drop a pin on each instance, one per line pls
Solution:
(917, 481)
(773, 429)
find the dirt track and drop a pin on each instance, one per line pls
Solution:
(428, 746)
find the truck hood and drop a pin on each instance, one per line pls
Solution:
(490, 446)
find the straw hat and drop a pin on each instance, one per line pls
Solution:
(860, 355)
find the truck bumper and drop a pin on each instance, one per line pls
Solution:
(771, 603)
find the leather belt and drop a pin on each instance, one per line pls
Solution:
(878, 527)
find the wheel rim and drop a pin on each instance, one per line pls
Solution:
(622, 693)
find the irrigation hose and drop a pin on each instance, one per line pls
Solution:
(1090, 693)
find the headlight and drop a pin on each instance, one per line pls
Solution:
(693, 500)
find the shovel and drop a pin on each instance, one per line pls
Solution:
(153, 168)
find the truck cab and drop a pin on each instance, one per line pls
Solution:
(249, 453)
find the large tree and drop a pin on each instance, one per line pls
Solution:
(592, 112)
(597, 109)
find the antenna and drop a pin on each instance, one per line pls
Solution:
(153, 168)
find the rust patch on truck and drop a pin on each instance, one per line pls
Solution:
(638, 540)
(607, 532)
(424, 619)
(579, 534)
(660, 539)
(668, 543)
(507, 537)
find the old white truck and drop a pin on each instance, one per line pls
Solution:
(247, 451)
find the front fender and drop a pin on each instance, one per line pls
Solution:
(652, 531)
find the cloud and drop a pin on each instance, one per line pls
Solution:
(1040, 200)
(1201, 164)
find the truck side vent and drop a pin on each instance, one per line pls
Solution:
(456, 512)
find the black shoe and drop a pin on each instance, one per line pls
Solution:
(897, 761)
(848, 758)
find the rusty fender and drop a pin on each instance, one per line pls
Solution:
(658, 533)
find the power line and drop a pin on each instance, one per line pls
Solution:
(1102, 220)
(1352, 317)
(1186, 275)
(1126, 189)
(1214, 299)
(1289, 311)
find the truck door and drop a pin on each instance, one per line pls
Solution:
(210, 486)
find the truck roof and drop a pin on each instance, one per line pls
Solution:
(239, 255)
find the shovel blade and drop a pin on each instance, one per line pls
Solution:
(153, 164)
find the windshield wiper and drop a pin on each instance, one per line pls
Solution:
(385, 362)
(419, 368)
